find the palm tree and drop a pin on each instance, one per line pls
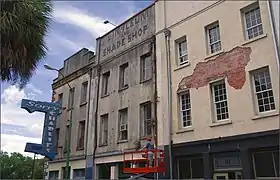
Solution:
(23, 26)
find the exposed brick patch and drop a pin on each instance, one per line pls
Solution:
(230, 65)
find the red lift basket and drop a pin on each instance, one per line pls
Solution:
(138, 162)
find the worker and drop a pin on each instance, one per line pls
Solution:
(149, 146)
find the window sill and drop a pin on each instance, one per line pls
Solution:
(105, 95)
(181, 66)
(214, 54)
(123, 88)
(143, 81)
(79, 148)
(69, 109)
(221, 123)
(254, 39)
(102, 145)
(266, 115)
(183, 130)
(82, 104)
(122, 141)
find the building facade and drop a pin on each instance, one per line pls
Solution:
(72, 91)
(218, 89)
(125, 84)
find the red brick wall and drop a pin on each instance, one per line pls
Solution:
(230, 65)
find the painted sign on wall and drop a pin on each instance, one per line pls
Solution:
(51, 110)
(131, 32)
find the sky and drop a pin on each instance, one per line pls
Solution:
(75, 25)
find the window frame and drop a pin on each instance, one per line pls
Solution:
(71, 98)
(144, 70)
(212, 84)
(209, 44)
(144, 121)
(256, 104)
(120, 123)
(105, 84)
(57, 134)
(273, 161)
(104, 130)
(123, 76)
(244, 11)
(67, 132)
(81, 134)
(179, 41)
(187, 92)
(84, 91)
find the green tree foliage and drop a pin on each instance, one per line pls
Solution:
(17, 166)
(23, 27)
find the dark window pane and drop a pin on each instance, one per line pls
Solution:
(264, 164)
(276, 161)
(197, 168)
(184, 169)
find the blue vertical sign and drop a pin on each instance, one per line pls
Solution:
(51, 111)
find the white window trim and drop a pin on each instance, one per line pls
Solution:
(220, 81)
(250, 8)
(183, 55)
(177, 47)
(181, 111)
(256, 104)
(208, 27)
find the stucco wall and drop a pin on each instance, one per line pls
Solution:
(130, 98)
(240, 102)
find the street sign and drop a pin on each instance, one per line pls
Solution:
(51, 111)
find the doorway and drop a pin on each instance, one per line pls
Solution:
(228, 175)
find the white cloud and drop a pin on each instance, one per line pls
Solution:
(74, 16)
(12, 113)
(15, 143)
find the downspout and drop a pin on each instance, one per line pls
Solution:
(96, 108)
(153, 49)
(88, 109)
(272, 25)
(167, 33)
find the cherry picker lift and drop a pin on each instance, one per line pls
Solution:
(137, 162)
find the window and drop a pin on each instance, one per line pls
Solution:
(60, 99)
(81, 135)
(84, 92)
(185, 111)
(105, 83)
(263, 90)
(191, 168)
(253, 22)
(71, 98)
(104, 130)
(64, 172)
(53, 175)
(182, 50)
(219, 94)
(78, 174)
(146, 119)
(124, 76)
(56, 139)
(266, 164)
(66, 137)
(123, 129)
(213, 38)
(145, 67)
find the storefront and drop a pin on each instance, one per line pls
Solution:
(248, 156)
